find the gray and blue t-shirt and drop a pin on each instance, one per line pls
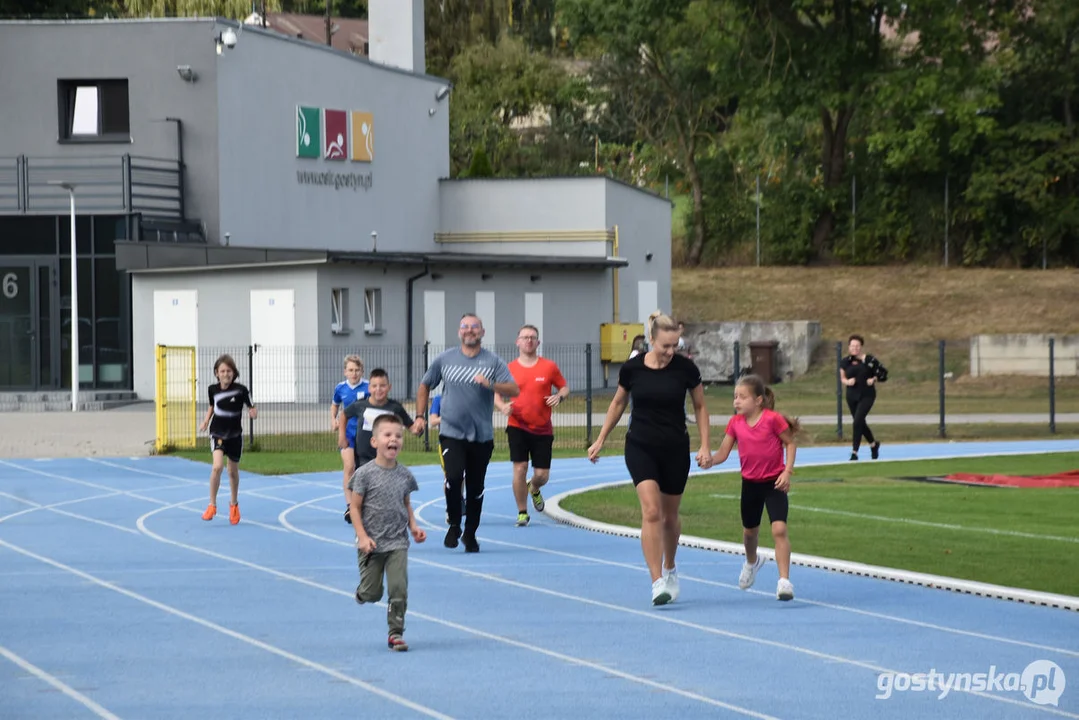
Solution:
(385, 515)
(467, 406)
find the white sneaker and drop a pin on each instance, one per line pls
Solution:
(671, 578)
(784, 590)
(660, 594)
(749, 573)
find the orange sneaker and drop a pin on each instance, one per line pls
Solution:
(211, 510)
(234, 513)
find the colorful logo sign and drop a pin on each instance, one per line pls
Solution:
(335, 134)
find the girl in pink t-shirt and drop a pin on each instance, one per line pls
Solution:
(762, 435)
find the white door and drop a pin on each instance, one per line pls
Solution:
(273, 333)
(647, 299)
(534, 314)
(434, 320)
(176, 322)
(485, 309)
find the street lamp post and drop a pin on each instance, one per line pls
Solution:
(70, 187)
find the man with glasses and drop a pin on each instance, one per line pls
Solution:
(470, 377)
(529, 429)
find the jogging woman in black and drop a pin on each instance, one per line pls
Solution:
(860, 372)
(657, 447)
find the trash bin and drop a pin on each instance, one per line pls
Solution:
(762, 358)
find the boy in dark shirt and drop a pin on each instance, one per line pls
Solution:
(367, 410)
(224, 418)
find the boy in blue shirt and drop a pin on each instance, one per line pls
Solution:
(352, 389)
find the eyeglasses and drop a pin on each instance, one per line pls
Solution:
(531, 338)
(473, 326)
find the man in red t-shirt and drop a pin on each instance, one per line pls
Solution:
(529, 428)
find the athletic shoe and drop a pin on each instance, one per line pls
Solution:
(522, 519)
(537, 498)
(672, 586)
(396, 642)
(660, 594)
(471, 546)
(452, 536)
(671, 577)
(749, 573)
(211, 510)
(874, 451)
(234, 513)
(348, 516)
(784, 590)
(854, 457)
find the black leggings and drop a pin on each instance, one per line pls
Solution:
(859, 408)
(465, 462)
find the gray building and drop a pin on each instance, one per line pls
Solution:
(235, 188)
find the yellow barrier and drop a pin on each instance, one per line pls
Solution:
(174, 398)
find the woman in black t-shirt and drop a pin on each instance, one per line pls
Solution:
(860, 372)
(657, 446)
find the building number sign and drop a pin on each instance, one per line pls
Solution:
(10, 286)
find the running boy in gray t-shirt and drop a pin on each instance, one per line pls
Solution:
(382, 518)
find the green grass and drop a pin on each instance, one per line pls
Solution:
(288, 454)
(862, 513)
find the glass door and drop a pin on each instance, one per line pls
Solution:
(19, 331)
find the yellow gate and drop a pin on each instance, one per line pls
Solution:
(174, 398)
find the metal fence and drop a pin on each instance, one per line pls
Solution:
(931, 383)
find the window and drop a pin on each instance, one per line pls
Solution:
(94, 110)
(372, 311)
(339, 311)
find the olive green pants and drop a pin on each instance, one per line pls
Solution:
(394, 566)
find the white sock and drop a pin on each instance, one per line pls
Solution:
(668, 571)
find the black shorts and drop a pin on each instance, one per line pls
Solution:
(233, 447)
(758, 495)
(525, 445)
(667, 465)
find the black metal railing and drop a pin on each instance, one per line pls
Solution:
(985, 387)
(122, 184)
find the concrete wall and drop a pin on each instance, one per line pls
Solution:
(1023, 355)
(644, 227)
(713, 346)
(224, 318)
(263, 202)
(34, 55)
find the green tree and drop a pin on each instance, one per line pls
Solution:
(824, 55)
(524, 108)
(669, 69)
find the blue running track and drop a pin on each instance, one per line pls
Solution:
(118, 601)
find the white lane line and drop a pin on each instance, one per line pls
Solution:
(58, 684)
(531, 647)
(54, 508)
(920, 523)
(636, 568)
(712, 583)
(662, 617)
(292, 657)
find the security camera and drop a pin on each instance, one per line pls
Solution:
(442, 93)
(227, 236)
(228, 38)
(186, 73)
(648, 257)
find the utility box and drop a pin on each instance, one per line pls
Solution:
(762, 357)
(616, 340)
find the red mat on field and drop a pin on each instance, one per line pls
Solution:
(1064, 479)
